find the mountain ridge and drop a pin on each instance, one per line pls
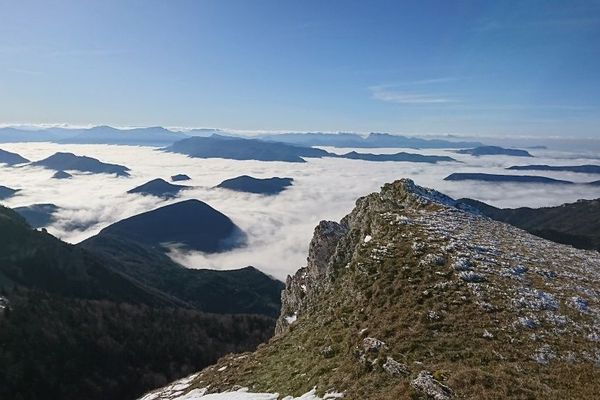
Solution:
(62, 161)
(576, 224)
(249, 184)
(409, 296)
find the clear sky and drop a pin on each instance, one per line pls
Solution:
(461, 67)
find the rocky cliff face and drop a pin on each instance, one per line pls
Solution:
(316, 276)
(410, 296)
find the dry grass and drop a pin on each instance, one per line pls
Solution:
(430, 320)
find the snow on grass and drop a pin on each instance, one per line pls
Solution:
(241, 394)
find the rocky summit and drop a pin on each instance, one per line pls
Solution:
(413, 295)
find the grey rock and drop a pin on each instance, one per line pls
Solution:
(426, 383)
(373, 345)
(394, 368)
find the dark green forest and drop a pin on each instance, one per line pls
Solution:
(61, 348)
(111, 320)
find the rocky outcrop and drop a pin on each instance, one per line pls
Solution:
(312, 278)
(413, 295)
(333, 245)
(427, 384)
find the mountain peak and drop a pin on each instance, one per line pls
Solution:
(191, 224)
(410, 296)
(158, 187)
(406, 190)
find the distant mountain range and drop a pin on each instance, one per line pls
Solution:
(8, 158)
(152, 136)
(577, 224)
(192, 224)
(494, 150)
(159, 136)
(373, 140)
(69, 161)
(218, 146)
(483, 177)
(158, 187)
(584, 169)
(407, 157)
(16, 135)
(254, 149)
(112, 318)
(473, 176)
(248, 184)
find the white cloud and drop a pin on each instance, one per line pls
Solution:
(279, 228)
(393, 94)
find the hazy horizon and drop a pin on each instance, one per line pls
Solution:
(435, 67)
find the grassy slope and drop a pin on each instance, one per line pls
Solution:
(388, 291)
(577, 224)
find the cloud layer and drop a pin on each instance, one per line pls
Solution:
(279, 228)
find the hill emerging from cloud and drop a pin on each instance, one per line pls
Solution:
(62, 161)
(192, 224)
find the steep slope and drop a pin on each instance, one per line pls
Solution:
(158, 187)
(249, 184)
(75, 320)
(69, 161)
(410, 296)
(37, 260)
(190, 223)
(577, 224)
(245, 290)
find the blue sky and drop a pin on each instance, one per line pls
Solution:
(431, 67)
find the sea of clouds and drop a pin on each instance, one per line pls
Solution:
(279, 228)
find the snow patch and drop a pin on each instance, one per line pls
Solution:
(243, 394)
(290, 319)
